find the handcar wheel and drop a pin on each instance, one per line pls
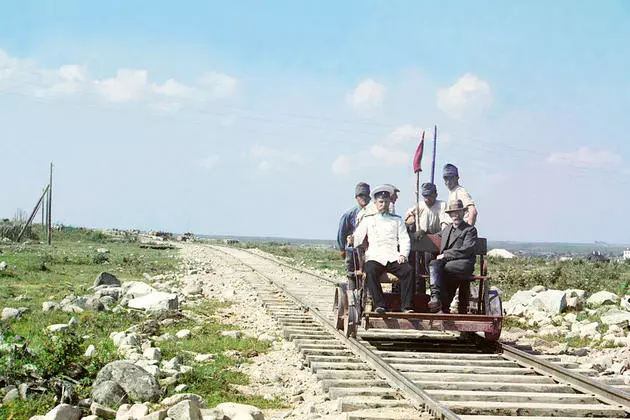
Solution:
(340, 305)
(351, 322)
(494, 306)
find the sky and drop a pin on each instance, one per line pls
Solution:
(258, 118)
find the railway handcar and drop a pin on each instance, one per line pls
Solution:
(484, 308)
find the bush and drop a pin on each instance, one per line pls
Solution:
(100, 258)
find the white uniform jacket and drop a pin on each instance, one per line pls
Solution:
(387, 237)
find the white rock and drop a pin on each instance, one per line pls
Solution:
(539, 288)
(570, 318)
(138, 410)
(579, 293)
(616, 317)
(574, 303)
(601, 298)
(11, 313)
(550, 301)
(73, 322)
(500, 253)
(64, 412)
(58, 327)
(232, 410)
(49, 306)
(185, 410)
(181, 388)
(152, 353)
(136, 289)
(155, 300)
(102, 250)
(171, 364)
(266, 337)
(589, 330)
(205, 357)
(625, 302)
(192, 290)
(3, 265)
(165, 337)
(90, 351)
(232, 334)
(185, 368)
(183, 334)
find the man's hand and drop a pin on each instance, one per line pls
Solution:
(402, 259)
(440, 257)
(342, 252)
(350, 240)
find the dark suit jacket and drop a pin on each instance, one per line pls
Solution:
(460, 243)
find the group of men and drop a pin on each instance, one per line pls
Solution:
(374, 241)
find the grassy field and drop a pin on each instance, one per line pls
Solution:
(37, 273)
(509, 275)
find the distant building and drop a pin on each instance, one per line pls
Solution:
(626, 254)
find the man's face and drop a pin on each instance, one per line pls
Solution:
(457, 217)
(394, 197)
(382, 204)
(362, 200)
(451, 181)
(429, 200)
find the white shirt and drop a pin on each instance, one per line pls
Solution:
(386, 234)
(460, 193)
(431, 218)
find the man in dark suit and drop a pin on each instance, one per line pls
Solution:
(455, 261)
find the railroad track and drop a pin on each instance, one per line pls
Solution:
(393, 372)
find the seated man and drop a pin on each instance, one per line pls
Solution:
(456, 260)
(386, 235)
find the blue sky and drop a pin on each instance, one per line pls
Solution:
(252, 118)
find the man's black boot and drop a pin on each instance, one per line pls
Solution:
(435, 305)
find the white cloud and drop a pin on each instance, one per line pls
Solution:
(342, 165)
(26, 77)
(469, 95)
(389, 156)
(128, 85)
(367, 94)
(405, 133)
(218, 85)
(269, 158)
(209, 162)
(585, 158)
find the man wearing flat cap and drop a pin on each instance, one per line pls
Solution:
(347, 225)
(455, 263)
(457, 192)
(371, 210)
(388, 251)
(430, 212)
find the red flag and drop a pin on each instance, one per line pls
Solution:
(418, 157)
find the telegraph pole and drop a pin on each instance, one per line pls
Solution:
(50, 188)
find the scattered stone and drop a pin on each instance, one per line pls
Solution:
(616, 317)
(109, 393)
(64, 412)
(58, 327)
(136, 289)
(106, 279)
(172, 364)
(49, 306)
(3, 265)
(90, 417)
(205, 357)
(90, 351)
(183, 334)
(156, 415)
(181, 388)
(102, 250)
(73, 322)
(266, 337)
(12, 395)
(11, 313)
(137, 383)
(174, 399)
(137, 411)
(185, 410)
(192, 290)
(550, 301)
(155, 300)
(232, 410)
(601, 298)
(102, 411)
(232, 334)
(152, 353)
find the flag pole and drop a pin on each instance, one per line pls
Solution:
(418, 193)
(434, 147)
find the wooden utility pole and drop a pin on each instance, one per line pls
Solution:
(30, 219)
(50, 188)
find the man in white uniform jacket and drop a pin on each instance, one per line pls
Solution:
(388, 250)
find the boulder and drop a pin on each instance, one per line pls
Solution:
(232, 410)
(49, 306)
(500, 253)
(155, 301)
(185, 410)
(109, 393)
(616, 317)
(58, 327)
(136, 289)
(625, 302)
(64, 412)
(174, 399)
(137, 383)
(111, 291)
(550, 301)
(519, 301)
(11, 313)
(102, 411)
(602, 298)
(106, 279)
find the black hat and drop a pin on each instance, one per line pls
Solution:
(428, 188)
(362, 189)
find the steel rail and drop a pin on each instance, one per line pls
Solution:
(410, 390)
(580, 382)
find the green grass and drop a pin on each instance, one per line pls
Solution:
(48, 273)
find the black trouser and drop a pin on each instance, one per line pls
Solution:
(448, 280)
(404, 272)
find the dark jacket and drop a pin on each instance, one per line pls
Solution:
(460, 243)
(347, 225)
